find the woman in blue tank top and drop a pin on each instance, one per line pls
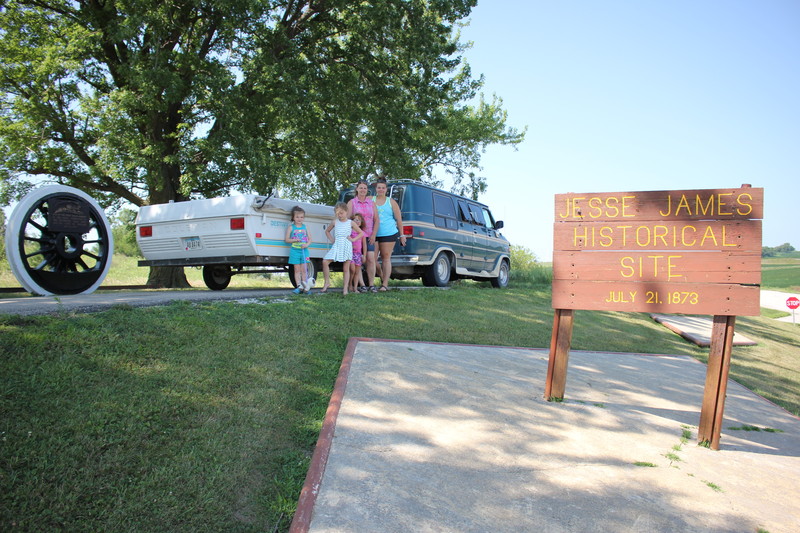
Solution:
(387, 230)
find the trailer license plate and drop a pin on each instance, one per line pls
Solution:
(191, 243)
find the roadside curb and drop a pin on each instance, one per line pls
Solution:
(696, 329)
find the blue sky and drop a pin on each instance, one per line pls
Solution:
(640, 95)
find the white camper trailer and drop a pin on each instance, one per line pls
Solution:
(226, 236)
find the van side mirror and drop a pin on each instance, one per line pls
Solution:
(498, 224)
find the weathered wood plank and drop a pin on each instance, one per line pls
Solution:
(704, 204)
(560, 341)
(741, 236)
(669, 266)
(655, 297)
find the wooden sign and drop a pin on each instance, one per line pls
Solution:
(692, 251)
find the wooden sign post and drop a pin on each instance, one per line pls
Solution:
(692, 251)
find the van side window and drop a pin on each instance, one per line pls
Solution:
(443, 206)
(444, 212)
(463, 209)
(477, 214)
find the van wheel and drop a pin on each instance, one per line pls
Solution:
(501, 281)
(217, 277)
(437, 274)
(312, 272)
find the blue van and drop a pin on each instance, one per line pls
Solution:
(447, 237)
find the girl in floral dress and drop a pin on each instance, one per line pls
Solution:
(359, 248)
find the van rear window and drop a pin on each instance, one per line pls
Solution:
(397, 194)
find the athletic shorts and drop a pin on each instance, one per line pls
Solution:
(388, 238)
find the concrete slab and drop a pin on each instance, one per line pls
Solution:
(438, 437)
(696, 329)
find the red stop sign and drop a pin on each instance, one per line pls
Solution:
(792, 302)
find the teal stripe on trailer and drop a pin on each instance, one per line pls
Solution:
(284, 244)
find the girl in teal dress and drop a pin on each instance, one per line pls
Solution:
(298, 236)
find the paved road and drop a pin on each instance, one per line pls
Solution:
(777, 300)
(99, 300)
(38, 305)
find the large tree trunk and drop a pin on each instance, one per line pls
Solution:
(163, 132)
(167, 278)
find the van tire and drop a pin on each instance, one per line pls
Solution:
(438, 273)
(217, 277)
(501, 281)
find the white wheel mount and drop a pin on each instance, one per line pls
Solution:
(59, 241)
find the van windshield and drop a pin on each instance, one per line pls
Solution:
(349, 194)
(396, 192)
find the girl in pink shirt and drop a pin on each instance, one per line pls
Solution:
(363, 205)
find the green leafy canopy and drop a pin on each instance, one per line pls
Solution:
(146, 101)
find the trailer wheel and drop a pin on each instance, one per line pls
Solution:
(217, 277)
(312, 267)
(58, 241)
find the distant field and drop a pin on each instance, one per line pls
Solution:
(781, 273)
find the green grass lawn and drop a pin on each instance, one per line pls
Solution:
(781, 274)
(203, 416)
